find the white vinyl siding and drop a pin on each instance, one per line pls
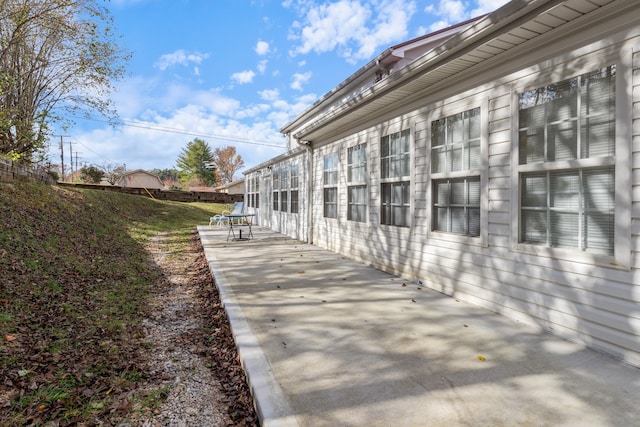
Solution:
(565, 283)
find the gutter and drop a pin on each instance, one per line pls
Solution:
(309, 205)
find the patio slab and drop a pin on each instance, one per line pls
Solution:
(327, 341)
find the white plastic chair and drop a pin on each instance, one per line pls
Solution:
(238, 209)
(218, 220)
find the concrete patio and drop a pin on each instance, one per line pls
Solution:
(327, 341)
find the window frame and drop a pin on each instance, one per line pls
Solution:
(294, 178)
(621, 161)
(330, 178)
(354, 184)
(391, 180)
(481, 172)
(284, 189)
(275, 189)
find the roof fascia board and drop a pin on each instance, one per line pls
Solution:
(503, 19)
(277, 159)
(529, 51)
(365, 72)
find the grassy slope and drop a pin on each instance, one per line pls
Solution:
(74, 281)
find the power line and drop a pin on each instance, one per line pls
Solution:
(185, 132)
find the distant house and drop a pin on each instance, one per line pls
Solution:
(497, 161)
(235, 187)
(140, 179)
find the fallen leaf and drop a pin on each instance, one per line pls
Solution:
(10, 338)
(481, 358)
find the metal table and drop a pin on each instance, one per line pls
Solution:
(242, 220)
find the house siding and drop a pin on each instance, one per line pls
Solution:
(568, 294)
(589, 299)
(294, 225)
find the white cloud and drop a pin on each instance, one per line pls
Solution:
(356, 28)
(157, 140)
(262, 66)
(179, 57)
(243, 77)
(262, 48)
(299, 79)
(269, 94)
(452, 12)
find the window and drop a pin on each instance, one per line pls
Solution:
(284, 190)
(252, 191)
(455, 173)
(256, 203)
(357, 178)
(276, 190)
(330, 181)
(357, 202)
(294, 189)
(248, 189)
(567, 165)
(395, 164)
(456, 206)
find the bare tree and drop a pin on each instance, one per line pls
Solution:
(227, 163)
(57, 58)
(113, 173)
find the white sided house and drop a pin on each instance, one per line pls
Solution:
(497, 161)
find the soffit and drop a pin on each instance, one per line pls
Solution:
(496, 36)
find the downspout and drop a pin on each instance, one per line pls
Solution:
(307, 145)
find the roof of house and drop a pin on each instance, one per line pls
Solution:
(239, 181)
(139, 171)
(458, 61)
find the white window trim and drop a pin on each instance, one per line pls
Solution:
(296, 188)
(623, 162)
(336, 185)
(449, 110)
(397, 128)
(360, 183)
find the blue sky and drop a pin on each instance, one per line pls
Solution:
(233, 72)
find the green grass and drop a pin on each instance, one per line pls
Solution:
(76, 281)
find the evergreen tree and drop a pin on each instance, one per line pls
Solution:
(195, 161)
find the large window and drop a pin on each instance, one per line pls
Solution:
(284, 189)
(395, 165)
(294, 189)
(455, 173)
(330, 181)
(566, 153)
(357, 183)
(253, 189)
(276, 189)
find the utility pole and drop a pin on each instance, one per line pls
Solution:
(61, 159)
(61, 146)
(77, 152)
(71, 155)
